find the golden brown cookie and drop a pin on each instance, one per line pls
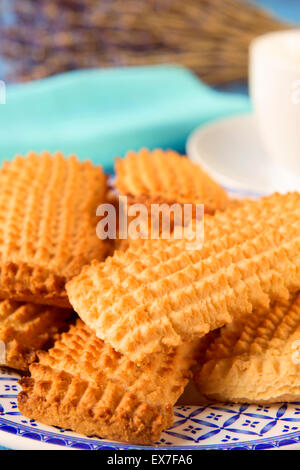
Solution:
(142, 302)
(84, 385)
(25, 328)
(256, 359)
(47, 225)
(166, 177)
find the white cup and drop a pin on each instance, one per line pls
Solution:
(275, 92)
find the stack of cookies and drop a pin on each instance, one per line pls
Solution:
(47, 234)
(151, 315)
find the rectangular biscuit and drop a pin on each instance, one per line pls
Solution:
(154, 298)
(84, 385)
(26, 328)
(255, 359)
(47, 225)
(160, 176)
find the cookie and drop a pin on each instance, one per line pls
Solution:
(256, 359)
(84, 385)
(26, 328)
(160, 176)
(143, 301)
(47, 225)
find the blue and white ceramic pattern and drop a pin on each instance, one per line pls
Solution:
(218, 426)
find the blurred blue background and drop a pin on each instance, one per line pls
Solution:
(100, 114)
(287, 9)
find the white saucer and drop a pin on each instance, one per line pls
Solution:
(231, 151)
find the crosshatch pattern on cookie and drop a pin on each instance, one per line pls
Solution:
(25, 328)
(165, 176)
(255, 359)
(143, 302)
(83, 384)
(47, 225)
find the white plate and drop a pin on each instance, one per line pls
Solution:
(231, 150)
(219, 426)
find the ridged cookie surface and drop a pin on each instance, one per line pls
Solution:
(256, 359)
(134, 244)
(84, 385)
(165, 176)
(25, 328)
(142, 301)
(47, 225)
